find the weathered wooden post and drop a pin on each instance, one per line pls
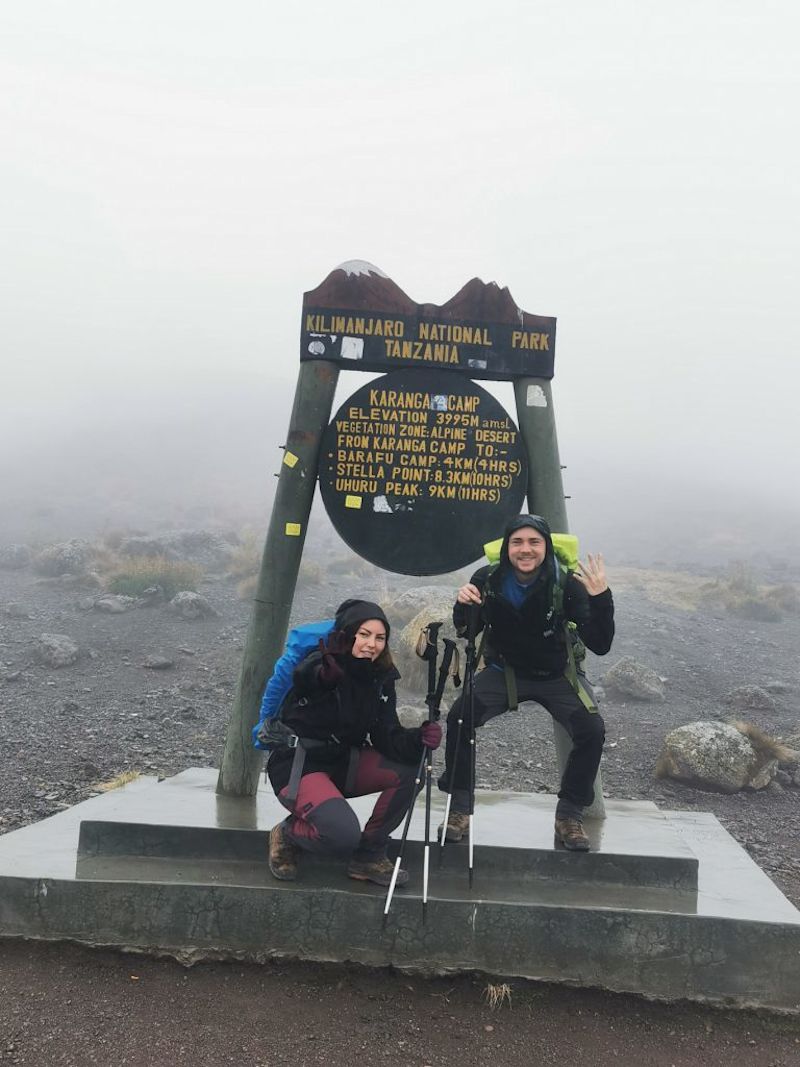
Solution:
(316, 385)
(537, 424)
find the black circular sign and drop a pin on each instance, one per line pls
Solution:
(419, 469)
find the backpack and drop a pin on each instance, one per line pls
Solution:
(269, 730)
(565, 561)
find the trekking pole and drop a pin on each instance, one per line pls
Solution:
(450, 651)
(469, 679)
(431, 655)
(467, 701)
(427, 649)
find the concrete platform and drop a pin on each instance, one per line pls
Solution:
(666, 905)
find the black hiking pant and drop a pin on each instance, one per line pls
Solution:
(586, 729)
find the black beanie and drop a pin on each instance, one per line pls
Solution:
(519, 522)
(351, 613)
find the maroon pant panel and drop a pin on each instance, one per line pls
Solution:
(322, 821)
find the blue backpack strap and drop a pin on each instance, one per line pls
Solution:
(301, 640)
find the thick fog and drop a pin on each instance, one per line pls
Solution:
(174, 175)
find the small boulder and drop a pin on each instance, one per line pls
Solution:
(777, 687)
(631, 679)
(150, 547)
(56, 650)
(16, 611)
(15, 557)
(751, 696)
(114, 604)
(713, 756)
(405, 606)
(412, 715)
(191, 606)
(68, 557)
(151, 596)
(158, 663)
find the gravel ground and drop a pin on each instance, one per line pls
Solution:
(66, 1006)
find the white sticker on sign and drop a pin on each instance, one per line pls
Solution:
(352, 348)
(536, 397)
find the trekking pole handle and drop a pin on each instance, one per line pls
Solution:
(473, 621)
(433, 629)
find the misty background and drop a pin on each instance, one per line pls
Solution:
(175, 175)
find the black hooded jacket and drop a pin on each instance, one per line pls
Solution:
(360, 708)
(530, 639)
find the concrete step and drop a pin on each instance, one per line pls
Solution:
(497, 865)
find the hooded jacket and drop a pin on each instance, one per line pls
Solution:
(360, 708)
(530, 638)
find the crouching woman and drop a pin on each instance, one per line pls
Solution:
(343, 710)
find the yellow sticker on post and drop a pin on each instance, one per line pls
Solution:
(352, 501)
(293, 529)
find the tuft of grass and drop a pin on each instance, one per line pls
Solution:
(739, 593)
(118, 781)
(142, 572)
(245, 559)
(497, 995)
(310, 573)
(786, 597)
(766, 746)
(246, 588)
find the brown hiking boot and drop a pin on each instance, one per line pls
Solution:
(378, 871)
(570, 835)
(457, 826)
(282, 854)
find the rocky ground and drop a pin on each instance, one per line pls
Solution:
(150, 692)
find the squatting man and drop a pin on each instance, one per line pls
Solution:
(525, 602)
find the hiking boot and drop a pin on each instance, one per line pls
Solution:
(282, 854)
(378, 871)
(457, 826)
(570, 834)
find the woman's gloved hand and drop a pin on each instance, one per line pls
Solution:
(431, 734)
(330, 673)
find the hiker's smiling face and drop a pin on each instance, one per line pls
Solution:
(526, 551)
(370, 640)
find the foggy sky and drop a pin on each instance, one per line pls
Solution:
(175, 175)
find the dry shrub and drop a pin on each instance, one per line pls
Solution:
(245, 560)
(310, 573)
(675, 589)
(118, 781)
(739, 593)
(138, 573)
(758, 608)
(786, 597)
(246, 588)
(352, 566)
(105, 559)
(497, 995)
(767, 747)
(112, 539)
